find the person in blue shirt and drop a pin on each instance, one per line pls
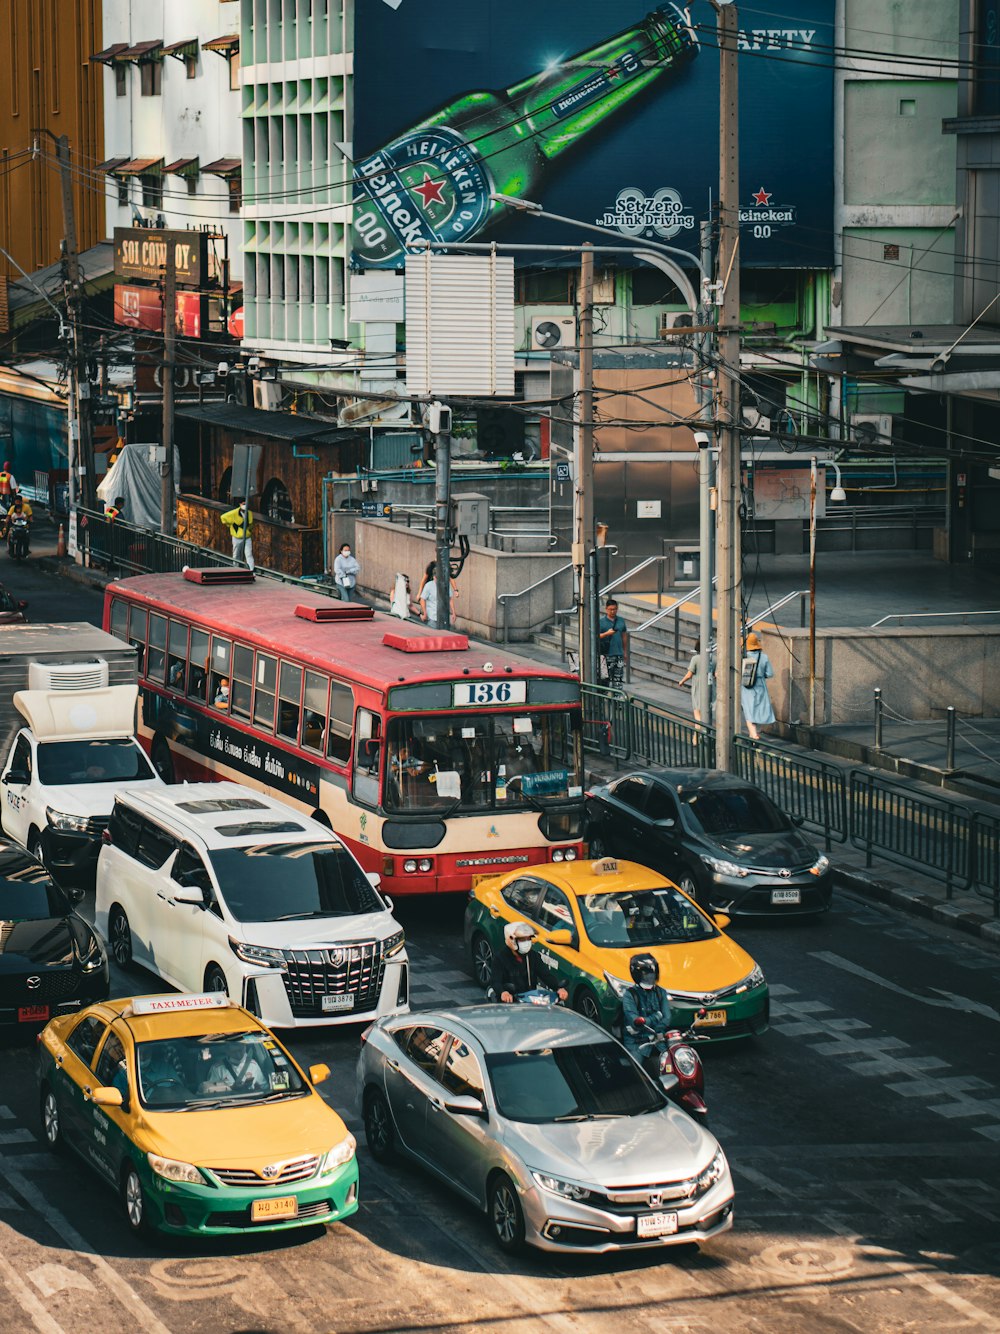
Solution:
(613, 638)
(647, 1002)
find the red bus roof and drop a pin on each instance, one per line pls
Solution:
(263, 613)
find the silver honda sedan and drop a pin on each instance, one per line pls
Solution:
(545, 1122)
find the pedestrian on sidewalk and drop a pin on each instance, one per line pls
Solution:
(239, 521)
(701, 691)
(613, 639)
(345, 572)
(429, 596)
(757, 671)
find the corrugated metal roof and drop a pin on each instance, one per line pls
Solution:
(274, 425)
(224, 166)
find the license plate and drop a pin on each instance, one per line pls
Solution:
(711, 1019)
(655, 1225)
(337, 1003)
(786, 895)
(284, 1206)
(32, 1014)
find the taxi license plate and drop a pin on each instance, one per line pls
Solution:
(32, 1014)
(284, 1206)
(786, 895)
(329, 1003)
(711, 1019)
(655, 1225)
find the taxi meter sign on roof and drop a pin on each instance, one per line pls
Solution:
(208, 1000)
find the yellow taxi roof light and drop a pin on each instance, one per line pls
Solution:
(206, 1000)
(606, 866)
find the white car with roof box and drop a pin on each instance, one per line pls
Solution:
(218, 887)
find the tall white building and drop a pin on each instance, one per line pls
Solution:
(297, 67)
(172, 115)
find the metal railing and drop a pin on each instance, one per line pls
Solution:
(800, 593)
(672, 608)
(880, 815)
(504, 598)
(630, 574)
(900, 616)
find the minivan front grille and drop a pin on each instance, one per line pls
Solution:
(353, 968)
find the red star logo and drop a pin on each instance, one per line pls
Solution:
(430, 191)
(762, 196)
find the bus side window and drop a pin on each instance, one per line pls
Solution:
(156, 660)
(242, 681)
(263, 695)
(289, 701)
(338, 735)
(119, 617)
(198, 668)
(137, 626)
(219, 682)
(177, 643)
(314, 710)
(367, 734)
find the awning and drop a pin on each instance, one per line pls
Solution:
(273, 425)
(109, 53)
(224, 166)
(141, 166)
(223, 45)
(189, 47)
(110, 167)
(141, 51)
(184, 166)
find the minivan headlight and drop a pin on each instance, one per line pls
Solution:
(261, 955)
(393, 944)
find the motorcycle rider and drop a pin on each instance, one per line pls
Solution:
(645, 1005)
(21, 508)
(513, 969)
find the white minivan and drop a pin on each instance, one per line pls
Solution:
(216, 887)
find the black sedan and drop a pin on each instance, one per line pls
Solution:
(721, 839)
(51, 961)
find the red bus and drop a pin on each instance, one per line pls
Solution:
(437, 760)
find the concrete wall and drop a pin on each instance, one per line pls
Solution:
(385, 548)
(920, 671)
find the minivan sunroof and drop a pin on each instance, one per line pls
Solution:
(249, 827)
(211, 805)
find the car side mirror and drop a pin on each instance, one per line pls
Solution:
(75, 895)
(561, 937)
(318, 1074)
(797, 820)
(374, 879)
(389, 903)
(466, 1106)
(106, 1097)
(192, 894)
(721, 920)
(17, 776)
(668, 823)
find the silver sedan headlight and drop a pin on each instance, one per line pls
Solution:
(556, 1186)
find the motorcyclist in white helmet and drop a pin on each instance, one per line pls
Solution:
(515, 970)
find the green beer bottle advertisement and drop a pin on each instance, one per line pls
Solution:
(434, 182)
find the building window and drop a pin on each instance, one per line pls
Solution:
(192, 184)
(122, 184)
(121, 79)
(276, 503)
(235, 184)
(191, 66)
(987, 59)
(151, 74)
(234, 69)
(152, 191)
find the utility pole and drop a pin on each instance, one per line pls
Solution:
(583, 537)
(167, 500)
(439, 420)
(81, 434)
(727, 397)
(705, 481)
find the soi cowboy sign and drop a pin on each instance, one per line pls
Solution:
(141, 253)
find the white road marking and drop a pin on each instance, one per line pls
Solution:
(27, 1300)
(949, 1000)
(50, 1279)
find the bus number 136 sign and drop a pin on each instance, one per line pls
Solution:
(465, 693)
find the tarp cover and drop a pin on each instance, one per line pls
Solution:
(136, 478)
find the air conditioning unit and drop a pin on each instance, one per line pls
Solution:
(675, 319)
(870, 429)
(549, 332)
(267, 395)
(89, 675)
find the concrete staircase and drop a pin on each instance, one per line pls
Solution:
(660, 654)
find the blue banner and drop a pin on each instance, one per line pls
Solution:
(608, 114)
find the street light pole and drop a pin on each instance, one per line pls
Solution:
(583, 538)
(727, 414)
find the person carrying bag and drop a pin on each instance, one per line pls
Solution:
(756, 672)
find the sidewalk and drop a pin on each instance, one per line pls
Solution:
(884, 882)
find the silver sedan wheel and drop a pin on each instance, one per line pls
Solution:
(505, 1214)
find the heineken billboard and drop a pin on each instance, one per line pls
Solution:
(605, 113)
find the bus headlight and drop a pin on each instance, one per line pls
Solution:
(410, 865)
(426, 864)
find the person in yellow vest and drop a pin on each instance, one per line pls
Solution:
(8, 486)
(239, 521)
(113, 510)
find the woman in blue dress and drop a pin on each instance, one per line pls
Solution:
(756, 701)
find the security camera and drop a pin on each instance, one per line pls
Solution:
(701, 439)
(223, 370)
(253, 366)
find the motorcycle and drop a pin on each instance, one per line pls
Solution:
(17, 536)
(670, 1057)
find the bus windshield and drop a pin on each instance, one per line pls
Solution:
(478, 761)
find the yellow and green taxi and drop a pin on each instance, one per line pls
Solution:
(592, 917)
(193, 1111)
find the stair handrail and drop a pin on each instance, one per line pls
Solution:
(504, 598)
(775, 606)
(899, 616)
(686, 596)
(650, 560)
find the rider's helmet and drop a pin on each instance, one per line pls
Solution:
(518, 936)
(645, 970)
